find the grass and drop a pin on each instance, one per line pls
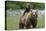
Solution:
(13, 22)
(40, 23)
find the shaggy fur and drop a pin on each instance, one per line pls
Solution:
(27, 20)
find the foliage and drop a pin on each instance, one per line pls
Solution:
(22, 5)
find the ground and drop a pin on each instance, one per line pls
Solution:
(13, 22)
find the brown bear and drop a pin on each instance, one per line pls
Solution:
(25, 20)
(28, 19)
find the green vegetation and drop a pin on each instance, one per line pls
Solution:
(13, 22)
(40, 22)
(22, 5)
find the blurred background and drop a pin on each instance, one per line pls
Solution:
(14, 9)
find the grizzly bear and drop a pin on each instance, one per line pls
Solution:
(25, 20)
(28, 20)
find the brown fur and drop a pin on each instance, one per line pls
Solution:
(27, 20)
